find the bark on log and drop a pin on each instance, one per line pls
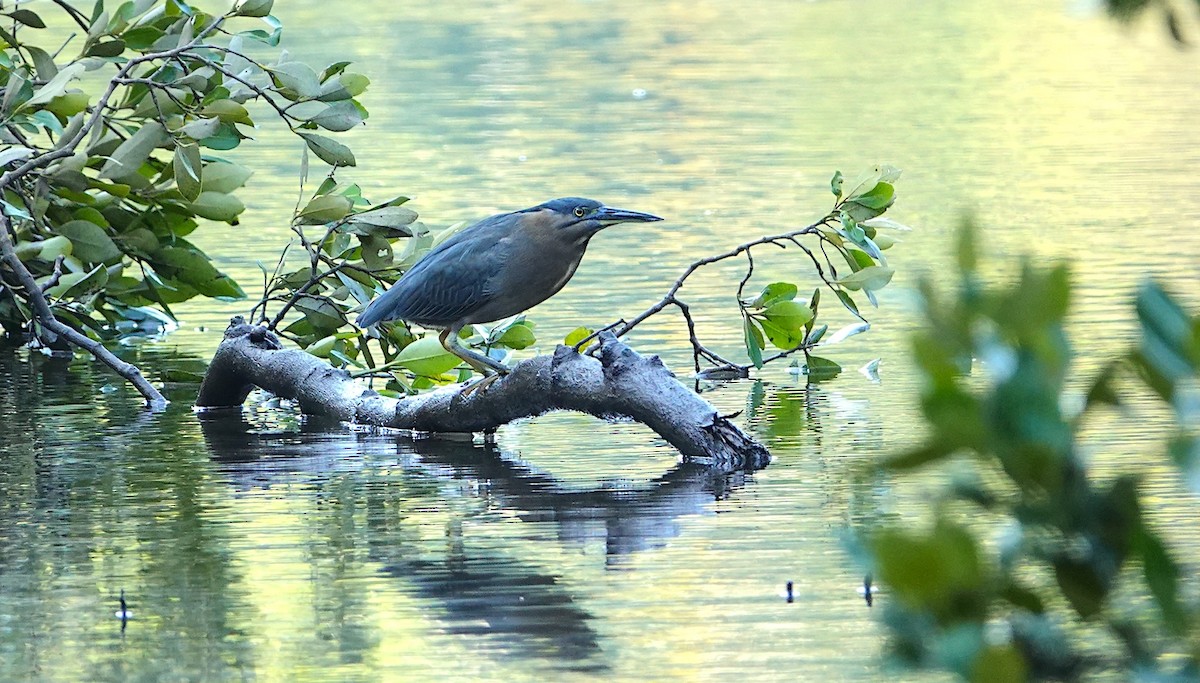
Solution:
(619, 382)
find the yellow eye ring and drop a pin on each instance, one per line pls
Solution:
(579, 211)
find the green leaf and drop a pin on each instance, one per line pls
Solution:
(141, 38)
(1170, 348)
(339, 116)
(1162, 576)
(816, 333)
(577, 335)
(201, 128)
(939, 571)
(1080, 584)
(57, 85)
(518, 336)
(321, 348)
(217, 206)
(389, 222)
(781, 337)
(43, 63)
(819, 369)
(376, 252)
(228, 111)
(68, 105)
(224, 176)
(90, 242)
(427, 357)
(296, 80)
(870, 203)
(326, 208)
(139, 241)
(847, 301)
(329, 150)
(108, 48)
(343, 87)
(1000, 664)
(187, 168)
(129, 156)
(192, 267)
(789, 315)
(79, 284)
(858, 259)
(333, 70)
(320, 312)
(870, 278)
(226, 137)
(59, 245)
(754, 341)
(774, 293)
(11, 154)
(254, 8)
(865, 182)
(28, 18)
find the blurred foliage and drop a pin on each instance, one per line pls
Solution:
(850, 231)
(108, 174)
(1173, 13)
(999, 606)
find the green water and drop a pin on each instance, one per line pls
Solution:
(269, 547)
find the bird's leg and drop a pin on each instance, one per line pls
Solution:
(490, 368)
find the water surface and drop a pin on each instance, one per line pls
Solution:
(271, 547)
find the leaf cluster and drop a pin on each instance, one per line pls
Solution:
(106, 178)
(850, 233)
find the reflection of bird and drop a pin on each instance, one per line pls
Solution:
(494, 269)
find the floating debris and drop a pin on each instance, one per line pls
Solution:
(124, 614)
(866, 591)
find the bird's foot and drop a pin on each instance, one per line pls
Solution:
(479, 386)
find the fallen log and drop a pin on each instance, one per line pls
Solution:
(617, 383)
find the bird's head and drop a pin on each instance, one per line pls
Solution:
(577, 219)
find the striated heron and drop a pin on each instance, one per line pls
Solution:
(494, 269)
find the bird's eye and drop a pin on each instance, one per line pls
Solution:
(579, 211)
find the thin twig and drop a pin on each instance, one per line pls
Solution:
(74, 13)
(671, 297)
(54, 276)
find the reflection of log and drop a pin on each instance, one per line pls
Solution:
(620, 382)
(507, 598)
(629, 519)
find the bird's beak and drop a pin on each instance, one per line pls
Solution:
(607, 216)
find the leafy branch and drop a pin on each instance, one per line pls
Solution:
(849, 230)
(85, 191)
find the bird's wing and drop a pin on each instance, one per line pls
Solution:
(447, 285)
